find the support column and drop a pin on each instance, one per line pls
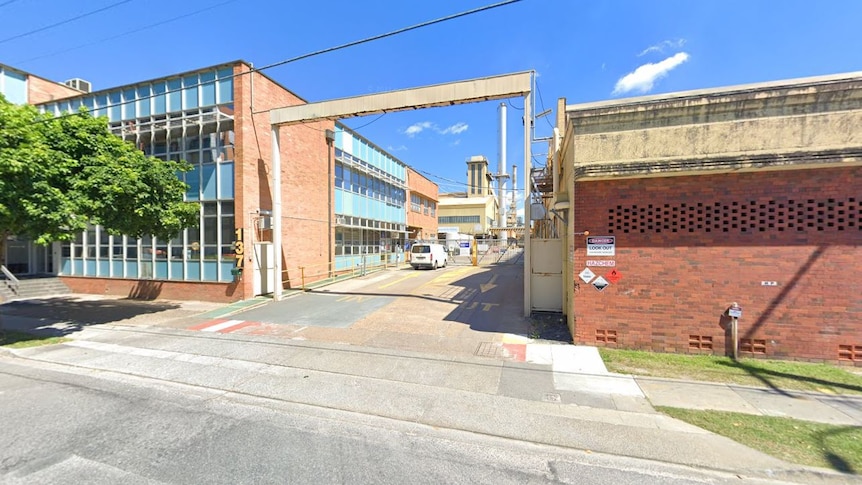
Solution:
(528, 120)
(276, 212)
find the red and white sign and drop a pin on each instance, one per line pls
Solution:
(614, 276)
(598, 262)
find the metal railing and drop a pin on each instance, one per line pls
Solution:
(11, 281)
(316, 275)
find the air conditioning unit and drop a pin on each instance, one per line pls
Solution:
(340, 221)
(79, 84)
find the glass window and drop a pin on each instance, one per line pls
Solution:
(143, 101)
(116, 106)
(160, 106)
(174, 95)
(225, 85)
(190, 93)
(129, 111)
(208, 89)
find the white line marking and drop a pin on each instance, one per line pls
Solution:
(222, 326)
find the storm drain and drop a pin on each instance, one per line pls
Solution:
(489, 349)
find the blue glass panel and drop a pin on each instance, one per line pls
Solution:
(90, 268)
(90, 103)
(339, 205)
(225, 85)
(104, 268)
(339, 138)
(176, 270)
(160, 105)
(118, 269)
(194, 183)
(75, 105)
(64, 107)
(129, 111)
(78, 267)
(144, 101)
(209, 182)
(210, 270)
(161, 270)
(16, 87)
(131, 270)
(190, 93)
(193, 271)
(101, 102)
(226, 266)
(115, 108)
(208, 89)
(225, 180)
(66, 268)
(175, 95)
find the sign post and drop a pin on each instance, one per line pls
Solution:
(735, 311)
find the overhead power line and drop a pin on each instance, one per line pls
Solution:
(128, 32)
(7, 3)
(305, 56)
(63, 22)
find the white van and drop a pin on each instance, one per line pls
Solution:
(424, 255)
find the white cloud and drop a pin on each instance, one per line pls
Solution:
(399, 148)
(643, 78)
(661, 46)
(417, 128)
(455, 129)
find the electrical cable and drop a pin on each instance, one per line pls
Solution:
(63, 22)
(7, 3)
(542, 104)
(129, 32)
(301, 57)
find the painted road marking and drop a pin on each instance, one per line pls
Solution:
(356, 298)
(399, 280)
(486, 307)
(223, 326)
(451, 274)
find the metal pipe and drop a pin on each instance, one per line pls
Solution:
(276, 212)
(528, 305)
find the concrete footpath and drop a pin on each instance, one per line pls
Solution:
(511, 387)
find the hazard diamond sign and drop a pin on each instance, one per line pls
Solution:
(614, 276)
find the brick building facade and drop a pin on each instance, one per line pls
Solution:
(749, 194)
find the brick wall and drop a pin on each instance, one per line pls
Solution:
(307, 183)
(419, 184)
(153, 289)
(688, 246)
(42, 91)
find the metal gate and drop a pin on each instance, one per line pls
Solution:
(546, 275)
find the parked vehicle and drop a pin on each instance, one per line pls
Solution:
(424, 255)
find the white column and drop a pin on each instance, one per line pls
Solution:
(527, 216)
(276, 212)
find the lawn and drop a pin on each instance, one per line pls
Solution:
(802, 442)
(779, 374)
(21, 340)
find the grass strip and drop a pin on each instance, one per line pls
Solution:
(788, 375)
(21, 340)
(806, 443)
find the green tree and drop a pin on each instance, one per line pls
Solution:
(59, 174)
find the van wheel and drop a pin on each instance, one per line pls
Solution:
(434, 265)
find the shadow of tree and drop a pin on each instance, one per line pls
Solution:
(764, 375)
(837, 462)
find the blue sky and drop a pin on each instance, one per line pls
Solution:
(581, 50)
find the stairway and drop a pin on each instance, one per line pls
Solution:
(33, 287)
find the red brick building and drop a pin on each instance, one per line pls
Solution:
(422, 195)
(748, 194)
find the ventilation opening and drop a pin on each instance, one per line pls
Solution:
(700, 342)
(606, 336)
(850, 353)
(752, 346)
(751, 216)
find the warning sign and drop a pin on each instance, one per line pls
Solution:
(609, 263)
(601, 245)
(587, 275)
(614, 276)
(600, 283)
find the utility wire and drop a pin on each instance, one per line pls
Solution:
(135, 31)
(542, 104)
(62, 22)
(7, 3)
(301, 57)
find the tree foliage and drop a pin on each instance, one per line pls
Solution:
(60, 174)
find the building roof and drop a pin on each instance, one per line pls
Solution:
(454, 201)
(797, 83)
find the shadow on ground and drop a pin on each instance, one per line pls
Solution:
(37, 315)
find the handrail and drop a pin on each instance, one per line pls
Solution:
(11, 281)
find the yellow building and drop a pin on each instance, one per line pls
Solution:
(474, 211)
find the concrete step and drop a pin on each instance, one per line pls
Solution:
(33, 288)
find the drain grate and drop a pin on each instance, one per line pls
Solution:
(489, 349)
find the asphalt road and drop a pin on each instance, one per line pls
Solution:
(66, 427)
